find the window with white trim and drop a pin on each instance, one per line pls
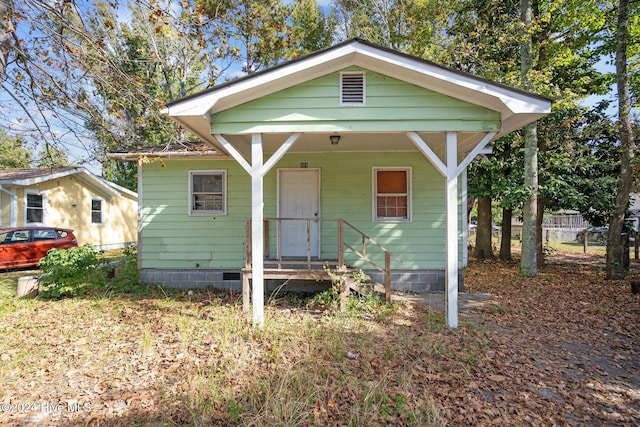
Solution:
(207, 192)
(97, 212)
(34, 207)
(392, 194)
(352, 88)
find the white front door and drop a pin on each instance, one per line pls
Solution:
(299, 193)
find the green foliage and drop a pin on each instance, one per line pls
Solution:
(125, 272)
(69, 272)
(311, 28)
(52, 157)
(13, 152)
(332, 298)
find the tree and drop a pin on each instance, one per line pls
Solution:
(256, 33)
(7, 29)
(311, 28)
(13, 152)
(483, 190)
(615, 267)
(529, 262)
(52, 158)
(154, 58)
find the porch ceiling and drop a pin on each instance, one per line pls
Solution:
(356, 142)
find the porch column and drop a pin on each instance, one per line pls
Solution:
(465, 220)
(451, 242)
(257, 170)
(257, 238)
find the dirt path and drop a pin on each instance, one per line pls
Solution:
(568, 339)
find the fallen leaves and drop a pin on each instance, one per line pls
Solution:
(560, 349)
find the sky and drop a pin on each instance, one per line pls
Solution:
(14, 119)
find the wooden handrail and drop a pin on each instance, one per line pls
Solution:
(342, 245)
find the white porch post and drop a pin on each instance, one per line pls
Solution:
(257, 170)
(465, 220)
(451, 245)
(257, 217)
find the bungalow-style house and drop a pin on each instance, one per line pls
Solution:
(354, 155)
(100, 212)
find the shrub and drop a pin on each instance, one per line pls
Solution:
(126, 272)
(69, 272)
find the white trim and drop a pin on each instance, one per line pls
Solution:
(374, 193)
(139, 218)
(465, 219)
(473, 153)
(517, 108)
(234, 153)
(428, 152)
(43, 194)
(257, 229)
(102, 212)
(101, 185)
(190, 209)
(280, 152)
(14, 208)
(451, 241)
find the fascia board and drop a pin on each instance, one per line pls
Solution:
(99, 184)
(449, 82)
(193, 113)
(233, 94)
(38, 180)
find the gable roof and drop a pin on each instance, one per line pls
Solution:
(26, 177)
(517, 108)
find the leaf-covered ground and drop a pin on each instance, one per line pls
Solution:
(560, 349)
(564, 347)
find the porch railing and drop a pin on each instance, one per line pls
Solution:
(362, 247)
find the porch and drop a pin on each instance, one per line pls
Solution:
(307, 248)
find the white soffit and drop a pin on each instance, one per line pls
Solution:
(517, 107)
(355, 53)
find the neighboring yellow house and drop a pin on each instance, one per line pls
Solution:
(100, 212)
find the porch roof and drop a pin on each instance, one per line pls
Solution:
(516, 107)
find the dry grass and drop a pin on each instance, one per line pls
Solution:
(155, 357)
(170, 358)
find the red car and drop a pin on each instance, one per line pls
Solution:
(25, 246)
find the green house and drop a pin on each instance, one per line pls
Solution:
(355, 155)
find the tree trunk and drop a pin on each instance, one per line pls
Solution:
(539, 232)
(505, 242)
(615, 268)
(528, 263)
(6, 34)
(483, 247)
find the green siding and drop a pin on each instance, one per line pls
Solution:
(173, 239)
(391, 105)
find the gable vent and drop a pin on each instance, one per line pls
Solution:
(352, 89)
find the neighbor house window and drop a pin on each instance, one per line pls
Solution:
(392, 194)
(34, 208)
(207, 192)
(97, 206)
(352, 88)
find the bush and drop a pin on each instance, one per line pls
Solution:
(69, 272)
(125, 277)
